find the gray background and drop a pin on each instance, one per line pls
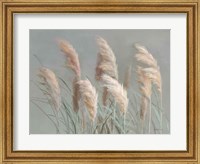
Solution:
(43, 44)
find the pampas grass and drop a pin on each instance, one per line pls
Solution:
(74, 65)
(72, 56)
(151, 73)
(153, 70)
(121, 114)
(144, 56)
(52, 92)
(145, 89)
(117, 91)
(154, 75)
(52, 86)
(106, 61)
(89, 97)
(106, 64)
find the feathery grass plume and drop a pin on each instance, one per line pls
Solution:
(52, 86)
(127, 77)
(155, 76)
(144, 56)
(106, 64)
(72, 56)
(74, 65)
(89, 97)
(99, 71)
(106, 61)
(117, 91)
(145, 82)
(145, 89)
(153, 71)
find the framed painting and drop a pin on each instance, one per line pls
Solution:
(99, 81)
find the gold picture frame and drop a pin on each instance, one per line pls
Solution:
(9, 7)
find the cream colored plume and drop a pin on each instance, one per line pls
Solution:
(153, 70)
(72, 56)
(145, 82)
(117, 91)
(154, 75)
(106, 61)
(145, 89)
(89, 97)
(144, 56)
(51, 82)
(74, 65)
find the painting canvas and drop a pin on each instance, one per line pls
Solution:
(108, 81)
